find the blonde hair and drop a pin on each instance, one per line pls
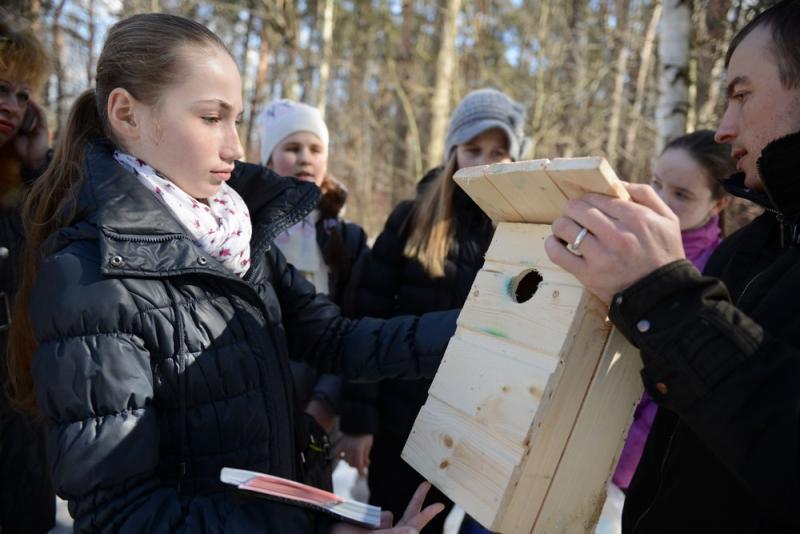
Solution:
(22, 56)
(433, 224)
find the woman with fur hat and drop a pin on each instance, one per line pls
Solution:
(324, 247)
(424, 260)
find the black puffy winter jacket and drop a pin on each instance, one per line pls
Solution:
(157, 367)
(392, 284)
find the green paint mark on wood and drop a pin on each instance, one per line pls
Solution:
(495, 332)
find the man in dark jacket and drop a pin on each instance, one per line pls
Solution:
(721, 355)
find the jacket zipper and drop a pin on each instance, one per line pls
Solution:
(259, 248)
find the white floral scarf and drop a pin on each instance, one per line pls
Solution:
(222, 228)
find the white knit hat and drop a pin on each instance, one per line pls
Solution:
(283, 118)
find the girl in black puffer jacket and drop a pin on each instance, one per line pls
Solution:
(424, 260)
(156, 317)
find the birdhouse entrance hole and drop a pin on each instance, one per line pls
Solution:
(525, 285)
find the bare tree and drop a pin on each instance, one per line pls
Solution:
(258, 88)
(620, 72)
(445, 62)
(645, 62)
(327, 53)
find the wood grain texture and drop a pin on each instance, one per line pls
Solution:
(531, 404)
(473, 181)
(577, 494)
(577, 176)
(462, 458)
(555, 419)
(529, 189)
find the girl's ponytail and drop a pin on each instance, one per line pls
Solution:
(143, 54)
(48, 206)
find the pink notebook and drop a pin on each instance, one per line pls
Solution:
(289, 491)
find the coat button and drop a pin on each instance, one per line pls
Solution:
(662, 388)
(202, 260)
(116, 261)
(3, 253)
(643, 326)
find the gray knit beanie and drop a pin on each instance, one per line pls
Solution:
(483, 110)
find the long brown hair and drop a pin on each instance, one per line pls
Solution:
(143, 54)
(22, 56)
(433, 223)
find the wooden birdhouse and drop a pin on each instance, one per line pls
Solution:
(530, 407)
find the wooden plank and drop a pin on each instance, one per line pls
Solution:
(576, 176)
(473, 181)
(540, 323)
(578, 491)
(470, 464)
(555, 418)
(529, 189)
(502, 393)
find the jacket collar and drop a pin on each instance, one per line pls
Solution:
(779, 168)
(139, 236)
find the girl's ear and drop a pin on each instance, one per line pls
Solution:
(720, 204)
(121, 110)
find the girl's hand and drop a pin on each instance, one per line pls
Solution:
(32, 147)
(355, 451)
(413, 520)
(322, 413)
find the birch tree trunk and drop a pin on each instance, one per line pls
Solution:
(673, 84)
(445, 62)
(327, 52)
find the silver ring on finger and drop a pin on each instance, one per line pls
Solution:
(582, 233)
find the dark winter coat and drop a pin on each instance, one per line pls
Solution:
(392, 284)
(342, 244)
(27, 500)
(722, 359)
(157, 366)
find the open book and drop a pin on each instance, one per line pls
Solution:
(289, 491)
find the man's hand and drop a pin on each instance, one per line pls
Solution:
(32, 147)
(627, 240)
(413, 520)
(355, 451)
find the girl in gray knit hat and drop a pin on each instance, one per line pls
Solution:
(424, 260)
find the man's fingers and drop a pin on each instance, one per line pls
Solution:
(594, 213)
(646, 196)
(558, 253)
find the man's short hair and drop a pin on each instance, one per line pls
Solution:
(783, 22)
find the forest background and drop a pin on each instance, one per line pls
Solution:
(617, 78)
